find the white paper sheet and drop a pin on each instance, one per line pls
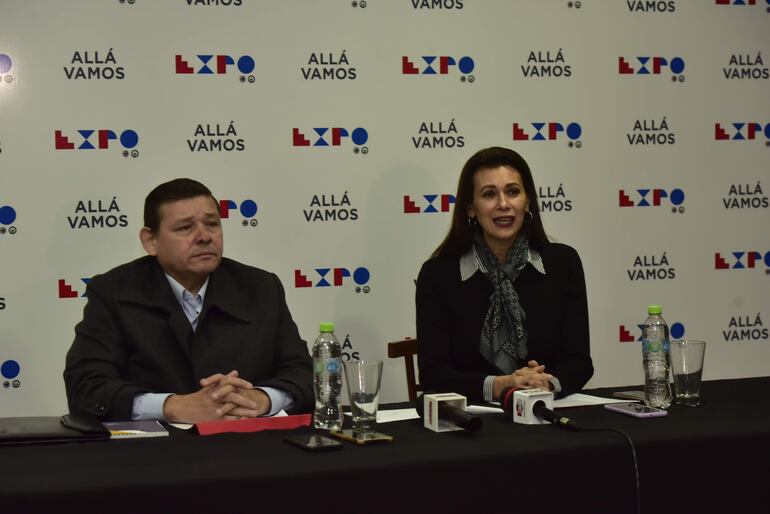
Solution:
(584, 400)
(388, 415)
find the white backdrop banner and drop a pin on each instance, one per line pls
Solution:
(334, 131)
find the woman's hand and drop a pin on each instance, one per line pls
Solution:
(531, 376)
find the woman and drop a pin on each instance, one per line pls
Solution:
(498, 305)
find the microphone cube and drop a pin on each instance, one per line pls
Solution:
(431, 418)
(523, 402)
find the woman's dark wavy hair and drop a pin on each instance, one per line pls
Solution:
(460, 236)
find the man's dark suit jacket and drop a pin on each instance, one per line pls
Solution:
(134, 338)
(450, 314)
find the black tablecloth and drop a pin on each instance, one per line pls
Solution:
(713, 458)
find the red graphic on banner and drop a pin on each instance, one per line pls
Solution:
(182, 66)
(62, 142)
(409, 206)
(222, 62)
(624, 68)
(624, 200)
(719, 132)
(519, 134)
(719, 262)
(337, 134)
(656, 62)
(66, 291)
(339, 274)
(407, 68)
(298, 138)
(443, 64)
(301, 280)
(625, 335)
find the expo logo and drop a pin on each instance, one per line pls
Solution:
(548, 131)
(10, 370)
(676, 331)
(439, 65)
(641, 198)
(128, 139)
(209, 64)
(67, 291)
(337, 135)
(7, 217)
(676, 65)
(737, 260)
(411, 207)
(743, 131)
(360, 276)
(5, 67)
(247, 208)
(740, 2)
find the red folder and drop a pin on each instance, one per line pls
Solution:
(254, 424)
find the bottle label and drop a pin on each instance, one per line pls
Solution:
(653, 346)
(331, 366)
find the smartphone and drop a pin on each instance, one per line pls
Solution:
(636, 410)
(629, 395)
(314, 442)
(347, 434)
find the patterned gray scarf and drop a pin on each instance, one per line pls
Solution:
(503, 337)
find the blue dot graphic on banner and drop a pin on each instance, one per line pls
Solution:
(361, 276)
(10, 369)
(249, 208)
(677, 331)
(7, 215)
(5, 64)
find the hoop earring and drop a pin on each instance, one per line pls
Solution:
(531, 217)
(471, 222)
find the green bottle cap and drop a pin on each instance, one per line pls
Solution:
(654, 309)
(327, 326)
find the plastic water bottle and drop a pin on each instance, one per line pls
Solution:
(327, 379)
(657, 360)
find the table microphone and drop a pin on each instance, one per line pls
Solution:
(450, 413)
(539, 409)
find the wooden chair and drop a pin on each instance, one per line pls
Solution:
(406, 348)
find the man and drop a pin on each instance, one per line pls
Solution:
(182, 334)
